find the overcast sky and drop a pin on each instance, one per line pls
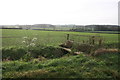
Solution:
(82, 12)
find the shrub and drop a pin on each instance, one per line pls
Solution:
(27, 57)
(13, 53)
(87, 48)
(16, 53)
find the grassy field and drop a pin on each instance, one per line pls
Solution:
(48, 60)
(80, 66)
(15, 37)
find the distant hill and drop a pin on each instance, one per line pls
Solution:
(70, 27)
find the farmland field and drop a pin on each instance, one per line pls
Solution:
(46, 59)
(15, 37)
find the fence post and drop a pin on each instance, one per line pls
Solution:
(68, 36)
(100, 41)
(93, 40)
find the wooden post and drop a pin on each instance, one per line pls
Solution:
(100, 41)
(93, 40)
(68, 36)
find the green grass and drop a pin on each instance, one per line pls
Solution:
(56, 63)
(80, 66)
(53, 38)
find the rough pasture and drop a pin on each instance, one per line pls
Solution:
(47, 60)
(54, 38)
